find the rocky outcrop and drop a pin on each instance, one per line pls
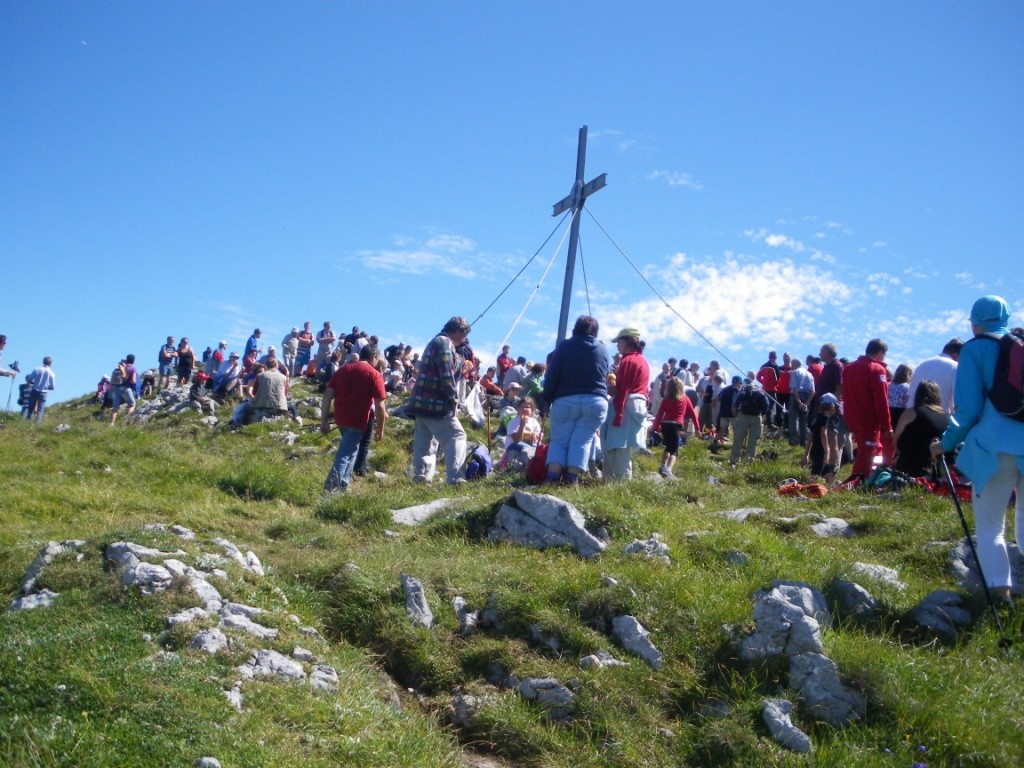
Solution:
(543, 521)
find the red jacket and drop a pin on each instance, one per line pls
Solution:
(866, 396)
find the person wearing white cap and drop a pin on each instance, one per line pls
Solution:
(822, 454)
(289, 348)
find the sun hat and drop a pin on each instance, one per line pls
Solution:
(991, 313)
(627, 333)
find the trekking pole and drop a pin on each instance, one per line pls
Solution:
(1004, 641)
(7, 410)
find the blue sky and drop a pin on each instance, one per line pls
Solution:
(782, 173)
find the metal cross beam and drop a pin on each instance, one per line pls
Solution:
(575, 200)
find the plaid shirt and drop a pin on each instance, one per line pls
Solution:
(435, 394)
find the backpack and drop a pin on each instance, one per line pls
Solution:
(537, 467)
(479, 463)
(1007, 391)
(117, 377)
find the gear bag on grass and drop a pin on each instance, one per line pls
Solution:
(1007, 391)
(479, 463)
(537, 467)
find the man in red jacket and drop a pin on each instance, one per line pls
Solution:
(866, 408)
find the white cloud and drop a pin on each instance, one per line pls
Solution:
(676, 179)
(444, 254)
(735, 301)
(417, 262)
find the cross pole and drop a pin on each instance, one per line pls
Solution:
(575, 200)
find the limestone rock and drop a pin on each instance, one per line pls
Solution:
(187, 615)
(46, 555)
(210, 641)
(652, 548)
(245, 624)
(816, 679)
(880, 573)
(853, 600)
(943, 612)
(463, 709)
(416, 602)
(468, 619)
(600, 660)
(42, 599)
(780, 726)
(324, 678)
(543, 521)
(419, 513)
(833, 527)
(742, 514)
(234, 695)
(635, 639)
(965, 569)
(780, 628)
(267, 663)
(557, 701)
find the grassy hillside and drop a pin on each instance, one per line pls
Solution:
(93, 680)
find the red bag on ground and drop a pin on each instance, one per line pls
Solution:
(537, 467)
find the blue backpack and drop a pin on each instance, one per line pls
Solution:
(479, 463)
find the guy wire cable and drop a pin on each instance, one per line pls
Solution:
(520, 272)
(671, 309)
(537, 288)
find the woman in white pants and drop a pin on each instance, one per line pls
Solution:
(993, 444)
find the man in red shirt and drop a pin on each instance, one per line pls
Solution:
(866, 408)
(355, 389)
(505, 361)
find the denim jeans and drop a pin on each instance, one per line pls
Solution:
(340, 476)
(575, 420)
(36, 400)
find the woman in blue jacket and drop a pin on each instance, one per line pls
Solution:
(993, 445)
(575, 387)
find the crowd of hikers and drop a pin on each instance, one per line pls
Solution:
(601, 408)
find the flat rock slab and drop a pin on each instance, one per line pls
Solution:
(832, 527)
(267, 663)
(416, 515)
(42, 599)
(881, 574)
(742, 514)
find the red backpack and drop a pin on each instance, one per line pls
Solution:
(537, 467)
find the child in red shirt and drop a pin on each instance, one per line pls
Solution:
(671, 420)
